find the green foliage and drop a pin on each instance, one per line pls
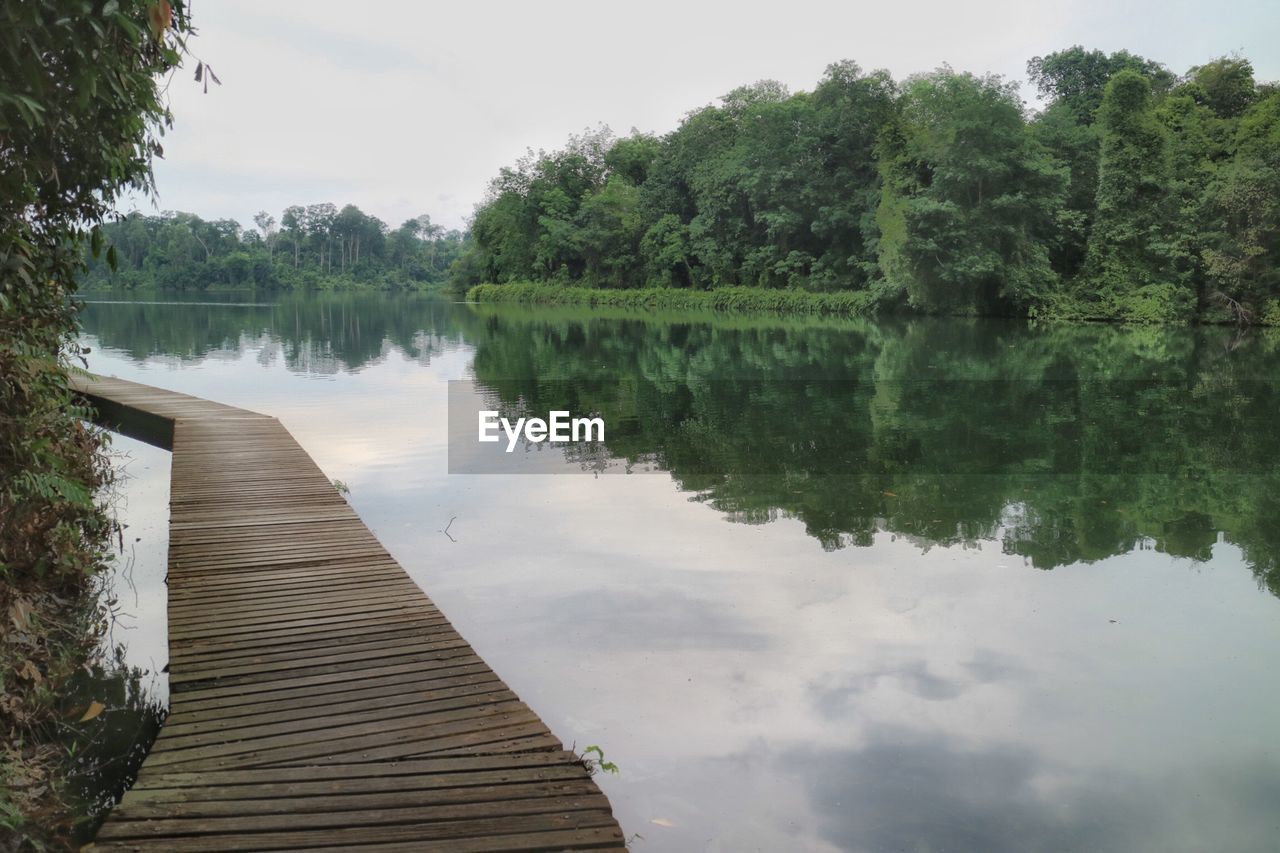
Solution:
(727, 299)
(1135, 195)
(768, 190)
(1131, 244)
(599, 762)
(1152, 303)
(81, 117)
(1076, 78)
(1271, 315)
(972, 198)
(1242, 208)
(317, 247)
(1226, 86)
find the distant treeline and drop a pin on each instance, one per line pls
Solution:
(313, 247)
(1135, 194)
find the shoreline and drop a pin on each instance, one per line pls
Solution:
(860, 304)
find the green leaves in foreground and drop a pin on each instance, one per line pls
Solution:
(81, 117)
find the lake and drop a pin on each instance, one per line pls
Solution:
(926, 585)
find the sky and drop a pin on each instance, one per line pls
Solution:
(406, 108)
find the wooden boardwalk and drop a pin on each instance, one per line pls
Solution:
(319, 698)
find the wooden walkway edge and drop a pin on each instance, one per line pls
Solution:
(319, 698)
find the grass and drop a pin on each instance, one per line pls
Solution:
(726, 299)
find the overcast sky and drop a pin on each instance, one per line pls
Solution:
(404, 108)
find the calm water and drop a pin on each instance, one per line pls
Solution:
(900, 586)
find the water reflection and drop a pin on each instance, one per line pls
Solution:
(1064, 444)
(107, 749)
(868, 656)
(909, 790)
(114, 707)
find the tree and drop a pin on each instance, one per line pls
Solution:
(1078, 78)
(1242, 253)
(267, 225)
(319, 222)
(1131, 252)
(1074, 81)
(852, 108)
(347, 227)
(1224, 85)
(294, 223)
(969, 199)
(430, 233)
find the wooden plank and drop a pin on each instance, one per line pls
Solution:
(231, 710)
(420, 769)
(413, 701)
(573, 831)
(362, 741)
(319, 697)
(348, 727)
(350, 813)
(439, 785)
(266, 800)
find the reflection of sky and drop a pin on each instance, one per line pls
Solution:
(140, 501)
(761, 693)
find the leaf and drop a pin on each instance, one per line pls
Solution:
(111, 257)
(20, 613)
(160, 16)
(33, 104)
(30, 672)
(199, 70)
(95, 708)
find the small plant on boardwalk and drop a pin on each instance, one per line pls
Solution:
(598, 762)
(343, 488)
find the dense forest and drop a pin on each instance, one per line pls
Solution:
(314, 247)
(1134, 194)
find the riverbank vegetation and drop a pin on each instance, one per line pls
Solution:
(317, 247)
(739, 299)
(80, 119)
(1135, 194)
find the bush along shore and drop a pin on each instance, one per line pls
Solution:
(1146, 307)
(735, 299)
